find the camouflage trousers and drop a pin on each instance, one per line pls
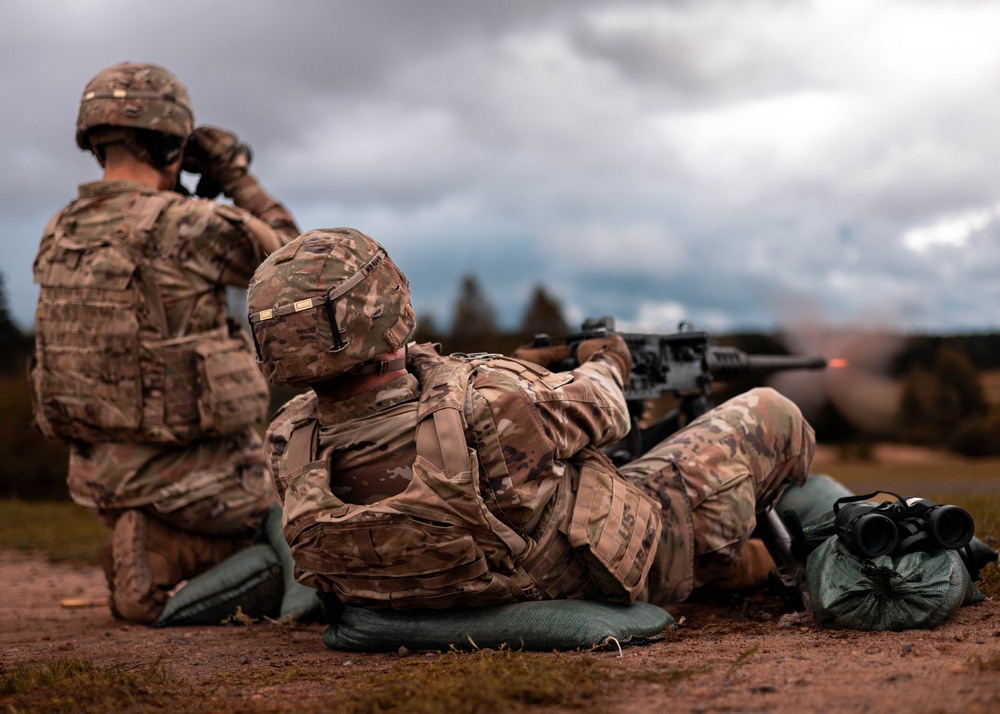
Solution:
(217, 487)
(712, 478)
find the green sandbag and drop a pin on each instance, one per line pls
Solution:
(912, 591)
(538, 625)
(249, 581)
(298, 602)
(813, 502)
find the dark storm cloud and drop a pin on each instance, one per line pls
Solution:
(716, 160)
(685, 51)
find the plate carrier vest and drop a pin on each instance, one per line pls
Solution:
(437, 544)
(105, 367)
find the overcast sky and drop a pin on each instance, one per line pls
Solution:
(741, 164)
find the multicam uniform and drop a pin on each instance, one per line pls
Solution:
(424, 522)
(712, 478)
(529, 428)
(213, 484)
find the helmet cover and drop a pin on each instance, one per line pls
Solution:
(325, 304)
(134, 96)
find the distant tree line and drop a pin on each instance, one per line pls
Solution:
(31, 466)
(943, 404)
(474, 327)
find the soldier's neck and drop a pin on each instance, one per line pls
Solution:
(127, 168)
(348, 386)
(337, 390)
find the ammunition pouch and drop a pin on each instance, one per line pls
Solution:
(212, 385)
(614, 528)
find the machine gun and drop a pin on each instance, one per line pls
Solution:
(686, 364)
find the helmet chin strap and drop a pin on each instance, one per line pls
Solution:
(375, 366)
(347, 384)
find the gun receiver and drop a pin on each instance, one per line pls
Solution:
(682, 363)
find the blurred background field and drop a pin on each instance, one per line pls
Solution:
(61, 531)
(923, 393)
(917, 415)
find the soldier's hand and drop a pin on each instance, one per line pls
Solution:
(543, 356)
(612, 346)
(218, 155)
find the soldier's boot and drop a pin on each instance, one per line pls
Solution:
(108, 566)
(751, 568)
(149, 558)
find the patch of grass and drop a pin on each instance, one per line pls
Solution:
(666, 676)
(989, 582)
(866, 476)
(272, 676)
(986, 664)
(78, 686)
(742, 660)
(481, 682)
(484, 681)
(239, 618)
(985, 511)
(63, 531)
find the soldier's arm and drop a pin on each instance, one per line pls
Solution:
(224, 163)
(589, 409)
(248, 194)
(220, 243)
(539, 419)
(270, 225)
(276, 440)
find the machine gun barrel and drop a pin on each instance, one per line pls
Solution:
(725, 363)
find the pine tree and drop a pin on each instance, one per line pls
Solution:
(7, 327)
(427, 329)
(544, 314)
(473, 326)
(938, 402)
(15, 346)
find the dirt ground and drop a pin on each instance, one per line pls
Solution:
(749, 655)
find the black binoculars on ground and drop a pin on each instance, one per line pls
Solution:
(903, 526)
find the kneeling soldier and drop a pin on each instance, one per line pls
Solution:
(135, 364)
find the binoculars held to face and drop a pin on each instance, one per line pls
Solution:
(903, 526)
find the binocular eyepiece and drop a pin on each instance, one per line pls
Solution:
(902, 527)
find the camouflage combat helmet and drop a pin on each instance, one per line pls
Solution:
(325, 305)
(134, 96)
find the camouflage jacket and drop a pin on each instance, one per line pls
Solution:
(196, 244)
(197, 240)
(531, 437)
